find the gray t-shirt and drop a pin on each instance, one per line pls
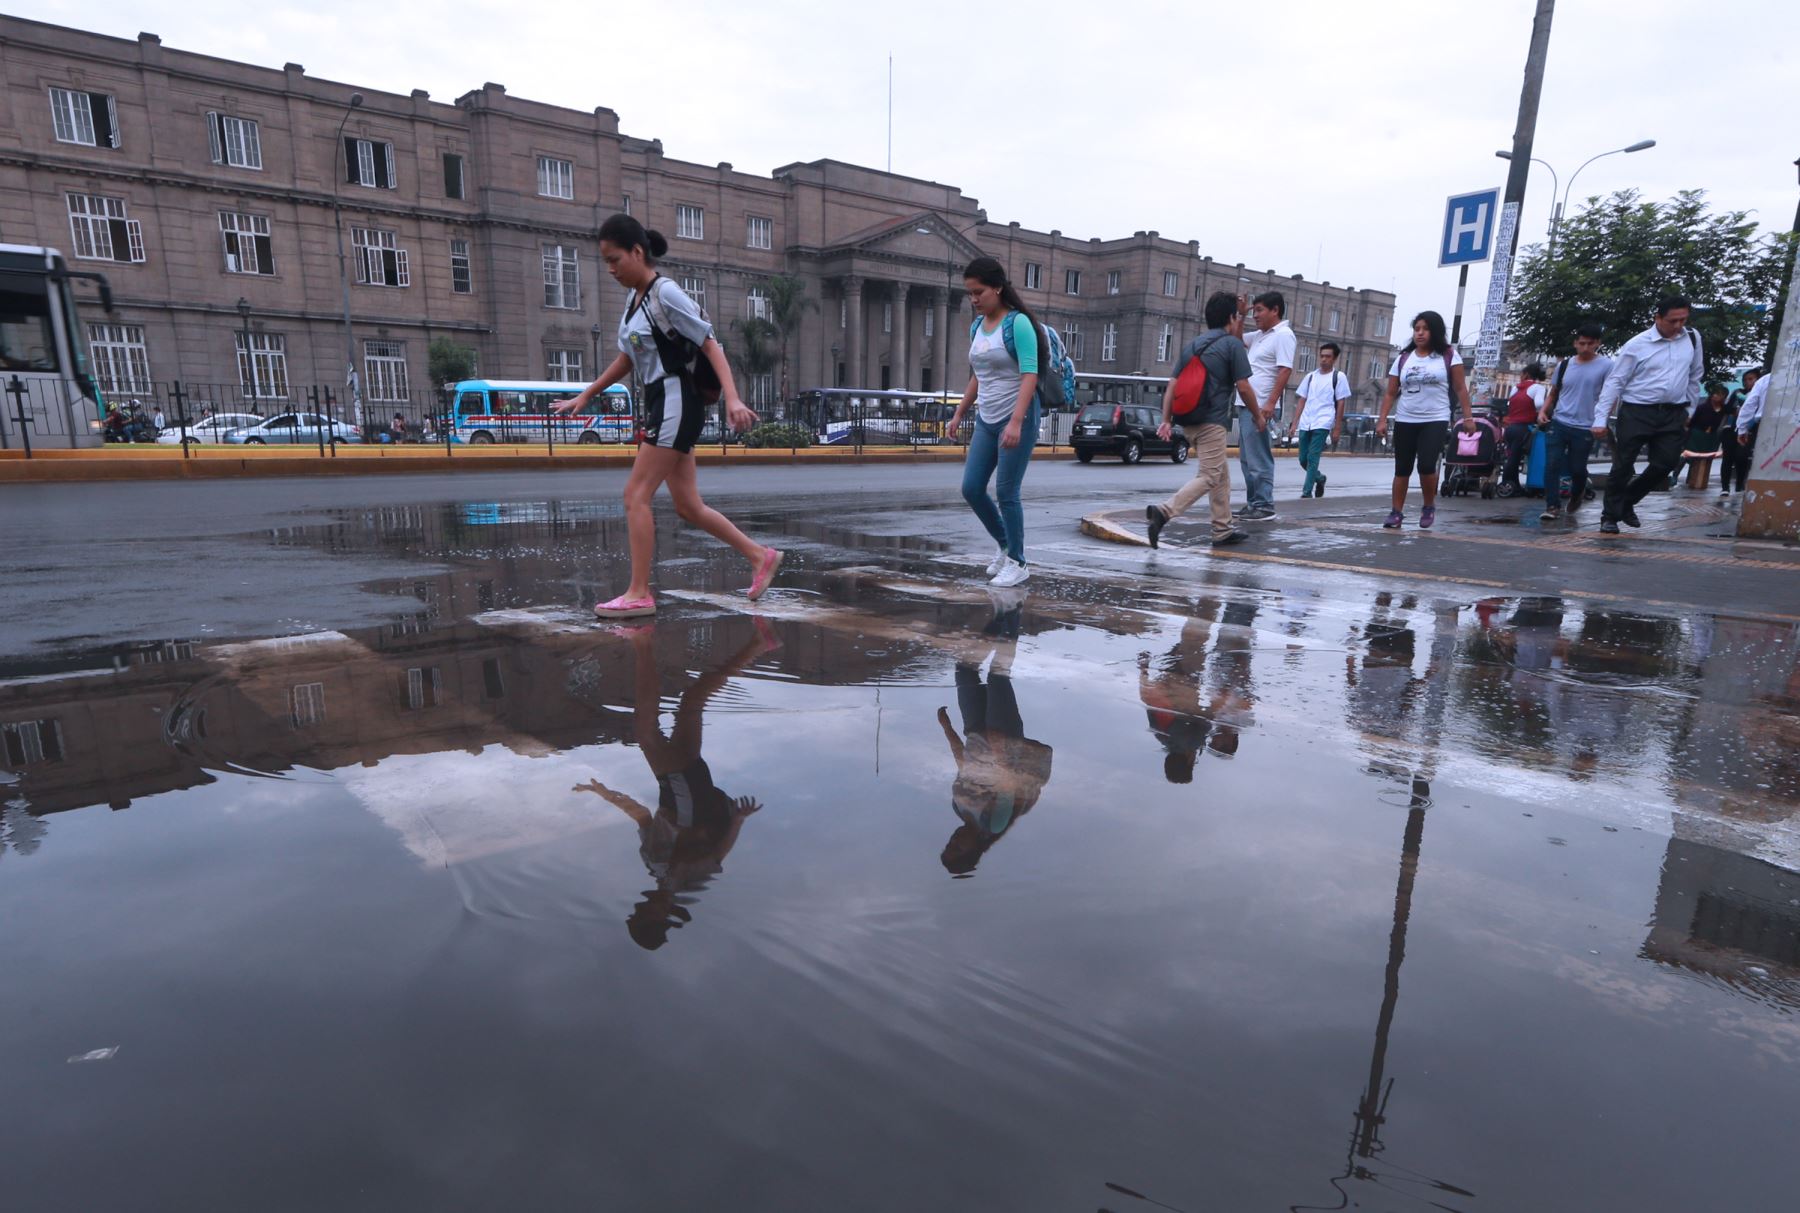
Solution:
(672, 309)
(1227, 362)
(1580, 391)
(997, 372)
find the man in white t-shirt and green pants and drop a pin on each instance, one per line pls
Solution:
(1321, 416)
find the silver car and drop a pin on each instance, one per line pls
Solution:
(294, 429)
(209, 429)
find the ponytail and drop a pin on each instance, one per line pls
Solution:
(989, 272)
(624, 232)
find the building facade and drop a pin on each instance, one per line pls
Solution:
(228, 203)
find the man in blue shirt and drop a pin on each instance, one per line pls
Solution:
(1569, 412)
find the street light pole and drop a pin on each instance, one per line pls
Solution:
(1557, 206)
(337, 219)
(243, 311)
(596, 371)
(1555, 210)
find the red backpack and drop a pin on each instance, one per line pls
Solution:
(1190, 387)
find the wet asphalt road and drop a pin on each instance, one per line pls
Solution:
(346, 864)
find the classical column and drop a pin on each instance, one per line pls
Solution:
(942, 342)
(854, 338)
(902, 378)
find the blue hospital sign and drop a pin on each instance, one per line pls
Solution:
(1469, 228)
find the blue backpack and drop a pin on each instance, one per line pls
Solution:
(1056, 379)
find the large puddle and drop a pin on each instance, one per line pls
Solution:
(893, 893)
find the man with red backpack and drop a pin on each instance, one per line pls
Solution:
(1214, 368)
(1522, 409)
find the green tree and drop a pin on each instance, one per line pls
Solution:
(1621, 254)
(788, 305)
(758, 349)
(448, 362)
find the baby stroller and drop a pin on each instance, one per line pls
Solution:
(1470, 460)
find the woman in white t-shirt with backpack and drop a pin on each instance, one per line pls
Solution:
(1423, 386)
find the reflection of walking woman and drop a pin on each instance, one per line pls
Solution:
(663, 337)
(695, 825)
(1004, 347)
(1000, 772)
(1426, 380)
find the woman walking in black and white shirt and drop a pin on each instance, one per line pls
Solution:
(663, 338)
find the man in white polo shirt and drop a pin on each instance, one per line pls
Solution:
(1272, 350)
(1653, 385)
(1320, 417)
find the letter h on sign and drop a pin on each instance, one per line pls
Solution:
(1469, 228)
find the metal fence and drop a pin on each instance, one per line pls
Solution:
(203, 417)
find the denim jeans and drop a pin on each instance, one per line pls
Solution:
(1566, 451)
(1005, 521)
(1312, 447)
(1257, 458)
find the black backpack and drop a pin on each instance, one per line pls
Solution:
(679, 355)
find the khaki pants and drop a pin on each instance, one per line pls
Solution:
(1212, 479)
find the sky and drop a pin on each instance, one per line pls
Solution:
(1319, 137)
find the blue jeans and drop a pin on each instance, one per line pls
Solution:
(1005, 521)
(1257, 459)
(1566, 451)
(1312, 446)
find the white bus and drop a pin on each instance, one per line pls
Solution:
(43, 351)
(484, 411)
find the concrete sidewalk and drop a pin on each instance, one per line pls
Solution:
(1686, 554)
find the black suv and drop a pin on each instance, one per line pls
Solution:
(1125, 430)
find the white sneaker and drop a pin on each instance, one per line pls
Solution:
(1011, 573)
(997, 563)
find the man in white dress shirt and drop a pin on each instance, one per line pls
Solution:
(1654, 384)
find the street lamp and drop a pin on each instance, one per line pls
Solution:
(949, 280)
(337, 219)
(1557, 211)
(243, 311)
(596, 352)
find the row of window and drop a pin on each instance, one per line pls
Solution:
(122, 365)
(1034, 281)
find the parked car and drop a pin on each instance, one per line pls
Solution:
(293, 429)
(1126, 430)
(209, 429)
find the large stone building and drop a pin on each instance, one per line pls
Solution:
(210, 193)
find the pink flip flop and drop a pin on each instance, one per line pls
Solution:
(765, 573)
(625, 608)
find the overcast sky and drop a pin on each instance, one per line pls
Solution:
(1318, 137)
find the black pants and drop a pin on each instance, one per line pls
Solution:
(1734, 459)
(1660, 428)
(1518, 449)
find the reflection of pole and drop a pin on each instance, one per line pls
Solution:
(1371, 1109)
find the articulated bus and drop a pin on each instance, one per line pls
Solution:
(518, 410)
(43, 348)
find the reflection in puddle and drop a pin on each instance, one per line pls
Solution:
(374, 879)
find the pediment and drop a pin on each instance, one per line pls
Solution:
(924, 237)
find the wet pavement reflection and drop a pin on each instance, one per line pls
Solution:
(1242, 897)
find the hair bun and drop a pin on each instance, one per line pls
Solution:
(659, 245)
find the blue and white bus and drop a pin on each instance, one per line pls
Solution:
(485, 411)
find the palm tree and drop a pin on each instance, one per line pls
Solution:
(787, 306)
(759, 348)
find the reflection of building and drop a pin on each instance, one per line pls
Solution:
(456, 669)
(1729, 917)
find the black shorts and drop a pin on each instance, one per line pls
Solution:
(673, 414)
(1421, 442)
